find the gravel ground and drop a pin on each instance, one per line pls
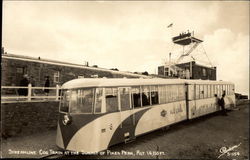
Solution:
(200, 138)
(34, 146)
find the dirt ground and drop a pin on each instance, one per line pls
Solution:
(203, 138)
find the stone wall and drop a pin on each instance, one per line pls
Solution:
(25, 118)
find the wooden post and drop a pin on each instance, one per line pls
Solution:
(57, 92)
(29, 91)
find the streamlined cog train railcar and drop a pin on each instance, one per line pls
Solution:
(98, 113)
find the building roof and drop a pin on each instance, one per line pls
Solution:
(66, 64)
(188, 63)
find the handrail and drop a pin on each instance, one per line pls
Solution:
(31, 95)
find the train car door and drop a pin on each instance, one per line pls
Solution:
(191, 100)
(127, 114)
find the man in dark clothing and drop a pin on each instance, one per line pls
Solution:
(217, 101)
(47, 84)
(222, 104)
(24, 82)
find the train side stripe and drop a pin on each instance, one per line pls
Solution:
(96, 140)
(78, 122)
(118, 135)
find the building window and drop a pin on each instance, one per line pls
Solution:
(20, 70)
(56, 77)
(80, 76)
(94, 76)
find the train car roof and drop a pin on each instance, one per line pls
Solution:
(105, 82)
(119, 82)
(195, 81)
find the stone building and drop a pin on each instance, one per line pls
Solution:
(189, 70)
(15, 66)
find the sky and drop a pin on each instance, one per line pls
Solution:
(130, 35)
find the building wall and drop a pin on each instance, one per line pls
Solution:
(200, 72)
(161, 70)
(12, 71)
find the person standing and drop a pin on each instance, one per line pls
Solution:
(24, 83)
(217, 101)
(222, 104)
(33, 83)
(47, 84)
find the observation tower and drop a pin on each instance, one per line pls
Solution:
(187, 53)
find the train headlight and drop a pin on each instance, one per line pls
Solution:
(67, 119)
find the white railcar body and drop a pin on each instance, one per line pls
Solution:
(98, 113)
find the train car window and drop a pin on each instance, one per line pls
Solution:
(98, 100)
(201, 91)
(162, 94)
(124, 98)
(233, 91)
(205, 90)
(208, 90)
(229, 89)
(224, 88)
(154, 95)
(81, 100)
(168, 93)
(197, 92)
(111, 95)
(216, 88)
(220, 90)
(64, 101)
(181, 92)
(145, 96)
(212, 90)
(174, 89)
(136, 97)
(173, 92)
(73, 102)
